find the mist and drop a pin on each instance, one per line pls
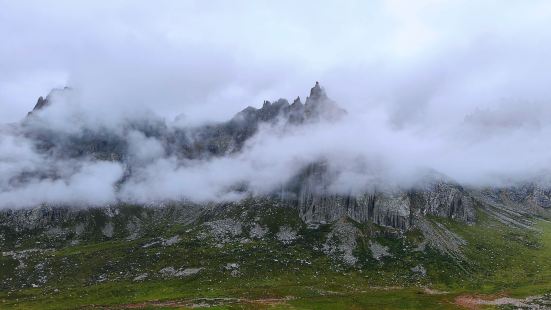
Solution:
(453, 87)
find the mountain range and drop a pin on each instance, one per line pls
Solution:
(434, 234)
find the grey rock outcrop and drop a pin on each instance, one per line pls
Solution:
(391, 208)
(318, 106)
(379, 251)
(341, 242)
(286, 235)
(42, 102)
(444, 199)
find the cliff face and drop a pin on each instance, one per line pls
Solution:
(394, 210)
(316, 204)
(393, 207)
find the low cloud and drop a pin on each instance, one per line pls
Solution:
(30, 179)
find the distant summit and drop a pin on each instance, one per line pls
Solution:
(203, 141)
(318, 107)
(316, 93)
(44, 102)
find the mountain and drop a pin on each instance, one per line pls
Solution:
(300, 245)
(196, 142)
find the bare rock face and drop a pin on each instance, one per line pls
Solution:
(440, 238)
(391, 211)
(541, 197)
(36, 218)
(379, 251)
(42, 102)
(341, 242)
(382, 209)
(529, 196)
(444, 199)
(286, 235)
(319, 106)
(419, 270)
(93, 222)
(223, 231)
(258, 231)
(391, 208)
(108, 230)
(171, 272)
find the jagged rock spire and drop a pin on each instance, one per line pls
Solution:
(316, 107)
(44, 102)
(317, 93)
(41, 103)
(319, 106)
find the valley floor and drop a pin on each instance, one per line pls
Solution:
(273, 295)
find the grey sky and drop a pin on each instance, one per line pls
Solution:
(209, 59)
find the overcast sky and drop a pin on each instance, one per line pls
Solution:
(210, 59)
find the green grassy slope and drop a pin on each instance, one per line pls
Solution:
(272, 274)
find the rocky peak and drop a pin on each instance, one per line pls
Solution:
(40, 104)
(296, 102)
(44, 102)
(215, 139)
(317, 93)
(317, 107)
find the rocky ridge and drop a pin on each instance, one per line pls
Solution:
(401, 210)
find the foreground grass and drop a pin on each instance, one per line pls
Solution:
(306, 296)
